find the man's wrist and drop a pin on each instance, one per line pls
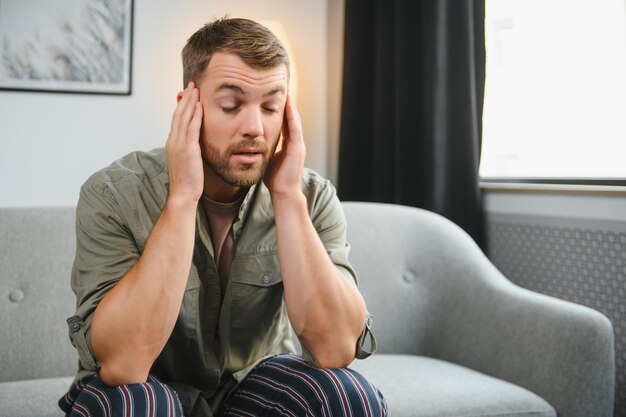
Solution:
(292, 199)
(180, 205)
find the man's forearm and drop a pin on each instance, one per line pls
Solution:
(134, 320)
(325, 308)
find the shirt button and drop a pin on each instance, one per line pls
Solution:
(266, 279)
(74, 327)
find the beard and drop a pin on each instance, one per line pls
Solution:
(233, 173)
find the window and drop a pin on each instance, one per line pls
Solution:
(555, 93)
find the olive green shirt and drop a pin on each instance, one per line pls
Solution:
(214, 342)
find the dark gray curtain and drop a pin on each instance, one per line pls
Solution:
(411, 122)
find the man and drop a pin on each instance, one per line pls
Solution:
(192, 261)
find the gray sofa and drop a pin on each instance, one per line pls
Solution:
(455, 337)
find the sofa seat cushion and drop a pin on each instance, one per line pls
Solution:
(414, 386)
(33, 398)
(417, 386)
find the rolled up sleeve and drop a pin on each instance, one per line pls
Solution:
(105, 252)
(330, 223)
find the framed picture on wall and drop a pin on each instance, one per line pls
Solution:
(70, 46)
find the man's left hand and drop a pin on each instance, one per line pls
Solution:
(284, 171)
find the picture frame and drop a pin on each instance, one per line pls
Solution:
(66, 46)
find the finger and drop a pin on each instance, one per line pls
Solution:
(174, 124)
(196, 123)
(180, 107)
(292, 129)
(293, 119)
(187, 111)
(185, 98)
(287, 118)
(294, 109)
(189, 107)
(285, 127)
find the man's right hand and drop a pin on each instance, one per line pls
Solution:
(184, 158)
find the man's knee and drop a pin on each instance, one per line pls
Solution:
(91, 396)
(336, 392)
(354, 394)
(362, 396)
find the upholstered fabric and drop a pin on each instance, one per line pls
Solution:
(36, 255)
(455, 337)
(434, 293)
(417, 386)
(33, 398)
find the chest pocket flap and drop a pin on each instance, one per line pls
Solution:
(256, 290)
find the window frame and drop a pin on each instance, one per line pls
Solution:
(571, 185)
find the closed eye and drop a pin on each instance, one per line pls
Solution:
(230, 109)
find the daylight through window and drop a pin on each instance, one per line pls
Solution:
(555, 94)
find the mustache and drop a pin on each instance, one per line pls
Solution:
(248, 143)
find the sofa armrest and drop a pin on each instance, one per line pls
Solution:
(562, 351)
(434, 293)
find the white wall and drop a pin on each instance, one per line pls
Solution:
(50, 143)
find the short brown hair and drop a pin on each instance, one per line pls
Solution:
(256, 45)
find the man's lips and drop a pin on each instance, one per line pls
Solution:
(247, 156)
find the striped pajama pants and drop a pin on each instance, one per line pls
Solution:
(285, 385)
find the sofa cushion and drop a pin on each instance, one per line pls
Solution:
(36, 252)
(34, 398)
(417, 386)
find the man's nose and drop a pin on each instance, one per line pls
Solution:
(252, 126)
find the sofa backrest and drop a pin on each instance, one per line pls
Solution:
(36, 255)
(399, 254)
(407, 259)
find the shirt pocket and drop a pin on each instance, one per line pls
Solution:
(187, 323)
(257, 291)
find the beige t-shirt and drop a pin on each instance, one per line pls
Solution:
(221, 217)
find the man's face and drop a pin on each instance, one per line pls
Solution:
(243, 115)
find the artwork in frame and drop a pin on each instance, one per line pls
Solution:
(75, 46)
